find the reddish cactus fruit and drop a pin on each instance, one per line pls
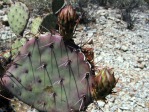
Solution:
(104, 83)
(67, 21)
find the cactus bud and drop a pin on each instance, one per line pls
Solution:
(67, 20)
(104, 83)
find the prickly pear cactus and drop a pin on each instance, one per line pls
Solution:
(16, 45)
(67, 18)
(50, 76)
(49, 22)
(35, 25)
(57, 5)
(18, 16)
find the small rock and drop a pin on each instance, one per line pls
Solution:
(2, 12)
(125, 107)
(89, 34)
(101, 103)
(102, 20)
(92, 30)
(124, 48)
(117, 46)
(119, 110)
(140, 65)
(120, 59)
(5, 18)
(32, 110)
(141, 104)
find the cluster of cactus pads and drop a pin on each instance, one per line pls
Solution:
(53, 74)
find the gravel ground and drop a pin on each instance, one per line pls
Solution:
(127, 51)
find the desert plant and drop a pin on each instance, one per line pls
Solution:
(48, 23)
(57, 5)
(127, 17)
(18, 16)
(67, 18)
(126, 9)
(104, 83)
(51, 73)
(36, 23)
(46, 71)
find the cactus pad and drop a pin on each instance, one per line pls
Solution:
(57, 5)
(49, 22)
(35, 25)
(18, 16)
(50, 76)
(16, 45)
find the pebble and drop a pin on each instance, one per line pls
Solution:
(120, 59)
(124, 48)
(101, 103)
(4, 19)
(89, 35)
(2, 13)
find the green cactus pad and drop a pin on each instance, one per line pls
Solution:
(18, 16)
(50, 76)
(49, 22)
(16, 45)
(57, 5)
(36, 25)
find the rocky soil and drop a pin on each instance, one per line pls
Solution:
(127, 51)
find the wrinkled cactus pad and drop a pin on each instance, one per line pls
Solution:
(50, 76)
(18, 16)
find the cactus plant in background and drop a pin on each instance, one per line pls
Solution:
(38, 7)
(18, 16)
(35, 25)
